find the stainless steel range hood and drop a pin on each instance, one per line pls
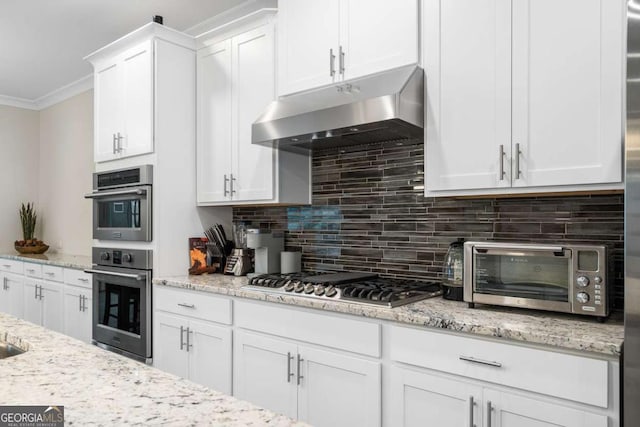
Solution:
(387, 106)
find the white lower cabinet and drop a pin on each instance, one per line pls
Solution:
(421, 398)
(320, 387)
(43, 302)
(11, 294)
(192, 336)
(78, 312)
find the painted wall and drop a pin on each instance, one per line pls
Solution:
(66, 165)
(19, 165)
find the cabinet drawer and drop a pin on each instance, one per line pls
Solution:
(77, 278)
(567, 376)
(33, 270)
(200, 305)
(323, 329)
(11, 266)
(53, 273)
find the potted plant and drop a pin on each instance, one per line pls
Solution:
(29, 244)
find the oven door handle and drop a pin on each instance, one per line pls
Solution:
(113, 273)
(99, 194)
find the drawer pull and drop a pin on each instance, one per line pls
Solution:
(48, 273)
(29, 270)
(481, 362)
(6, 265)
(82, 279)
(181, 304)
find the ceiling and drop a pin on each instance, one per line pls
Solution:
(42, 42)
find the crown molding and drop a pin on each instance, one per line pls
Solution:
(52, 98)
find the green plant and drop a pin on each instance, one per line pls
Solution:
(28, 218)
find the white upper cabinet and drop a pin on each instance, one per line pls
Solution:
(323, 42)
(236, 83)
(522, 96)
(125, 91)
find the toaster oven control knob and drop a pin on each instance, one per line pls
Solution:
(582, 281)
(597, 279)
(127, 257)
(104, 256)
(582, 297)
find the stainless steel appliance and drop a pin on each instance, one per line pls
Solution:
(384, 107)
(122, 301)
(268, 246)
(453, 280)
(122, 205)
(631, 354)
(361, 288)
(563, 278)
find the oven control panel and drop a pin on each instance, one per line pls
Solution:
(129, 258)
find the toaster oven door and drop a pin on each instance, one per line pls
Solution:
(533, 278)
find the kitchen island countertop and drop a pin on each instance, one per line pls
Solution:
(97, 387)
(562, 331)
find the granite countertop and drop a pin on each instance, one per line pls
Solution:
(78, 262)
(97, 387)
(552, 329)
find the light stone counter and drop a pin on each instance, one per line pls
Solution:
(552, 329)
(78, 262)
(97, 387)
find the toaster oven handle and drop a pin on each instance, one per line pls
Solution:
(515, 248)
(98, 194)
(113, 273)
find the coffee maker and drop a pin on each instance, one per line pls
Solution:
(267, 246)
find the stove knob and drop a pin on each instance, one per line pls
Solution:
(319, 290)
(330, 291)
(127, 257)
(288, 287)
(309, 288)
(104, 256)
(582, 297)
(298, 287)
(582, 281)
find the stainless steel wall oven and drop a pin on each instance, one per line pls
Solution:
(122, 301)
(122, 204)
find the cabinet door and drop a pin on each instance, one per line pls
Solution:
(419, 399)
(214, 123)
(378, 35)
(32, 302)
(264, 373)
(309, 40)
(353, 385)
(508, 410)
(11, 295)
(253, 89)
(467, 59)
(167, 342)
(567, 91)
(52, 306)
(108, 111)
(78, 313)
(210, 355)
(137, 76)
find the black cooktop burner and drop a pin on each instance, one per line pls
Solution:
(365, 288)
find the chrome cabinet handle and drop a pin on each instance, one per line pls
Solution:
(518, 152)
(4, 283)
(300, 376)
(82, 279)
(289, 373)
(119, 144)
(501, 154)
(6, 265)
(189, 331)
(181, 304)
(489, 409)
(181, 337)
(480, 361)
(332, 63)
(114, 143)
(84, 303)
(79, 302)
(341, 60)
(36, 295)
(48, 273)
(226, 181)
(472, 403)
(232, 189)
(30, 270)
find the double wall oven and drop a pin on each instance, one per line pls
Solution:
(122, 213)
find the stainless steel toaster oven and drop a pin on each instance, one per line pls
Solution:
(564, 278)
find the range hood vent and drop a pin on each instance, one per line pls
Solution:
(385, 107)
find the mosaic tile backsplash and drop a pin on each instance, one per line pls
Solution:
(369, 214)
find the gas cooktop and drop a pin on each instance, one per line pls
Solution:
(363, 288)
